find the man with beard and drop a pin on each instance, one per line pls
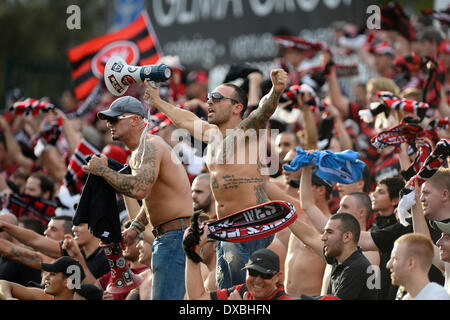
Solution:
(235, 167)
(202, 197)
(338, 245)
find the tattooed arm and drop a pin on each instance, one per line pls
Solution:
(181, 118)
(32, 239)
(259, 117)
(136, 185)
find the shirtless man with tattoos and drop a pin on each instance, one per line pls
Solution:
(161, 181)
(232, 159)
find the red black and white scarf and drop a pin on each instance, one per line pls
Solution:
(407, 132)
(253, 223)
(434, 70)
(316, 104)
(401, 104)
(389, 102)
(433, 162)
(250, 224)
(431, 165)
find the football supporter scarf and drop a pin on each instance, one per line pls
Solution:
(24, 206)
(250, 224)
(316, 104)
(137, 43)
(30, 107)
(75, 176)
(407, 132)
(442, 123)
(435, 75)
(342, 167)
(432, 164)
(389, 102)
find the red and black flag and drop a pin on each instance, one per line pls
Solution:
(136, 43)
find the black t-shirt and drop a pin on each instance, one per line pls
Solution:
(97, 262)
(387, 290)
(349, 279)
(17, 272)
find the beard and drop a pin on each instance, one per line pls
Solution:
(203, 205)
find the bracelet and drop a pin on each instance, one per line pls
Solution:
(138, 226)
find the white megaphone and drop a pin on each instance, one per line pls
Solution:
(118, 75)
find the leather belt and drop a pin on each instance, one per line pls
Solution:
(171, 225)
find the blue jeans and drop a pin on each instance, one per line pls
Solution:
(168, 264)
(232, 257)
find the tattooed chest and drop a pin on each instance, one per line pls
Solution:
(233, 149)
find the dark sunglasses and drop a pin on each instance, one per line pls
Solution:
(116, 119)
(216, 97)
(265, 276)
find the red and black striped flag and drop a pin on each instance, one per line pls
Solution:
(136, 43)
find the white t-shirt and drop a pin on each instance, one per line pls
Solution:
(432, 291)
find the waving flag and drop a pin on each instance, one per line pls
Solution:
(136, 43)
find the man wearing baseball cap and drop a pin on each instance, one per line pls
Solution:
(262, 281)
(62, 278)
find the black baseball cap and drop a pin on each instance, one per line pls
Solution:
(90, 292)
(264, 261)
(62, 265)
(126, 104)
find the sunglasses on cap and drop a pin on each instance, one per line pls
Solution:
(216, 97)
(265, 276)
